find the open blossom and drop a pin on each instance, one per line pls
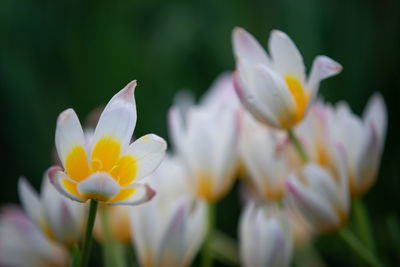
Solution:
(169, 230)
(205, 136)
(23, 244)
(58, 217)
(108, 168)
(266, 237)
(274, 88)
(363, 140)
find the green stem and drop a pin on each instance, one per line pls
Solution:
(225, 249)
(362, 223)
(87, 242)
(302, 153)
(206, 251)
(113, 253)
(358, 248)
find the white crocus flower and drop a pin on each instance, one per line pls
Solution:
(109, 169)
(320, 192)
(59, 217)
(205, 136)
(265, 236)
(169, 230)
(23, 244)
(275, 88)
(363, 140)
(263, 160)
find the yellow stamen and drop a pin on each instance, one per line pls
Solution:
(106, 151)
(124, 172)
(76, 164)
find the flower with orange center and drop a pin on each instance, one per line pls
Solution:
(275, 89)
(107, 168)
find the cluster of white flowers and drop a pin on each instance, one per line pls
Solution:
(301, 161)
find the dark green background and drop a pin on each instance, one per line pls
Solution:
(60, 54)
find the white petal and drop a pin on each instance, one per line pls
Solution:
(56, 177)
(175, 127)
(376, 113)
(243, 83)
(195, 230)
(145, 220)
(69, 134)
(273, 92)
(351, 133)
(143, 193)
(318, 210)
(148, 152)
(118, 119)
(31, 202)
(226, 150)
(247, 49)
(65, 217)
(286, 58)
(99, 186)
(171, 249)
(368, 163)
(322, 68)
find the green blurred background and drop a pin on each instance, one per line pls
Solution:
(60, 54)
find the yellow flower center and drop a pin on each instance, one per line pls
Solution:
(105, 158)
(300, 96)
(204, 186)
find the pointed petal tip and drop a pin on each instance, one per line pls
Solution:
(279, 33)
(66, 114)
(328, 66)
(129, 89)
(150, 192)
(238, 30)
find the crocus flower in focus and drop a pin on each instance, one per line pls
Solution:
(57, 216)
(266, 237)
(275, 88)
(108, 169)
(205, 136)
(23, 244)
(169, 230)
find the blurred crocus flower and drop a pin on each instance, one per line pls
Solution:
(117, 220)
(59, 217)
(205, 136)
(169, 230)
(321, 193)
(265, 236)
(23, 244)
(363, 140)
(108, 169)
(262, 158)
(275, 88)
